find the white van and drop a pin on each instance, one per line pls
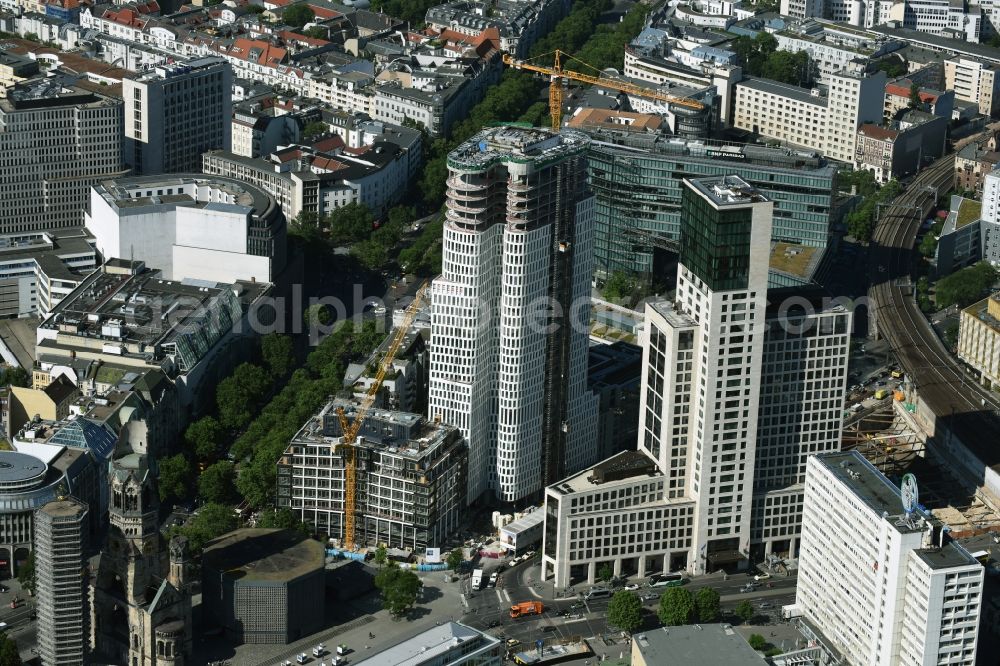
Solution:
(597, 593)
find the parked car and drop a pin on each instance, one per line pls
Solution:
(632, 587)
(763, 576)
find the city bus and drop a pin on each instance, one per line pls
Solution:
(667, 580)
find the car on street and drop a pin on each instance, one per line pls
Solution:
(631, 587)
(763, 576)
(549, 627)
(493, 623)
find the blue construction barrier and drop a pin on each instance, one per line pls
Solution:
(349, 555)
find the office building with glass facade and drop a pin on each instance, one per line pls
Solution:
(637, 181)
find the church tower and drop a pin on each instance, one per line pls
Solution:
(142, 611)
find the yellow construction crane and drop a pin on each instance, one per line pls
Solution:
(557, 74)
(350, 429)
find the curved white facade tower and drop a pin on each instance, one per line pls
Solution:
(511, 310)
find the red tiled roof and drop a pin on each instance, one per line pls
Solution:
(328, 144)
(328, 164)
(258, 51)
(124, 16)
(324, 12)
(290, 36)
(876, 132)
(904, 91)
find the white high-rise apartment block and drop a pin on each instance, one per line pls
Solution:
(855, 98)
(991, 197)
(510, 312)
(882, 586)
(732, 390)
(174, 113)
(56, 141)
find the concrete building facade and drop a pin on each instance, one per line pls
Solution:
(518, 231)
(979, 339)
(878, 578)
(411, 478)
(174, 113)
(190, 227)
(974, 81)
(44, 189)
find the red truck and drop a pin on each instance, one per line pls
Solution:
(526, 608)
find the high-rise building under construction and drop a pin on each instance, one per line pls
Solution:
(511, 310)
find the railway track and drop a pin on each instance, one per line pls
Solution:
(969, 410)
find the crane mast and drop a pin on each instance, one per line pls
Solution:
(557, 74)
(350, 429)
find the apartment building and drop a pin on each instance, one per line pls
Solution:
(979, 338)
(518, 231)
(520, 23)
(832, 47)
(900, 150)
(805, 118)
(324, 176)
(974, 80)
(410, 478)
(879, 580)
(63, 609)
(261, 124)
(57, 139)
(174, 113)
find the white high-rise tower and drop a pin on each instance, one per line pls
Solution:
(511, 310)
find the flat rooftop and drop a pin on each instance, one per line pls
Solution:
(518, 144)
(171, 190)
(702, 644)
(870, 485)
(950, 556)
(968, 211)
(622, 467)
(794, 258)
(431, 646)
(784, 90)
(404, 434)
(726, 191)
(63, 508)
(266, 555)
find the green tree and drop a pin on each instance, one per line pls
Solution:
(175, 477)
(399, 588)
(928, 245)
(372, 254)
(350, 223)
(317, 314)
(298, 15)
(914, 95)
(950, 335)
(239, 395)
(254, 9)
(892, 66)
(9, 654)
(966, 286)
(744, 610)
(14, 375)
(757, 642)
(204, 437)
(381, 557)
(213, 520)
(26, 573)
(312, 131)
(676, 607)
(708, 603)
(605, 572)
(455, 559)
(625, 611)
(619, 286)
(218, 483)
(278, 353)
(282, 519)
